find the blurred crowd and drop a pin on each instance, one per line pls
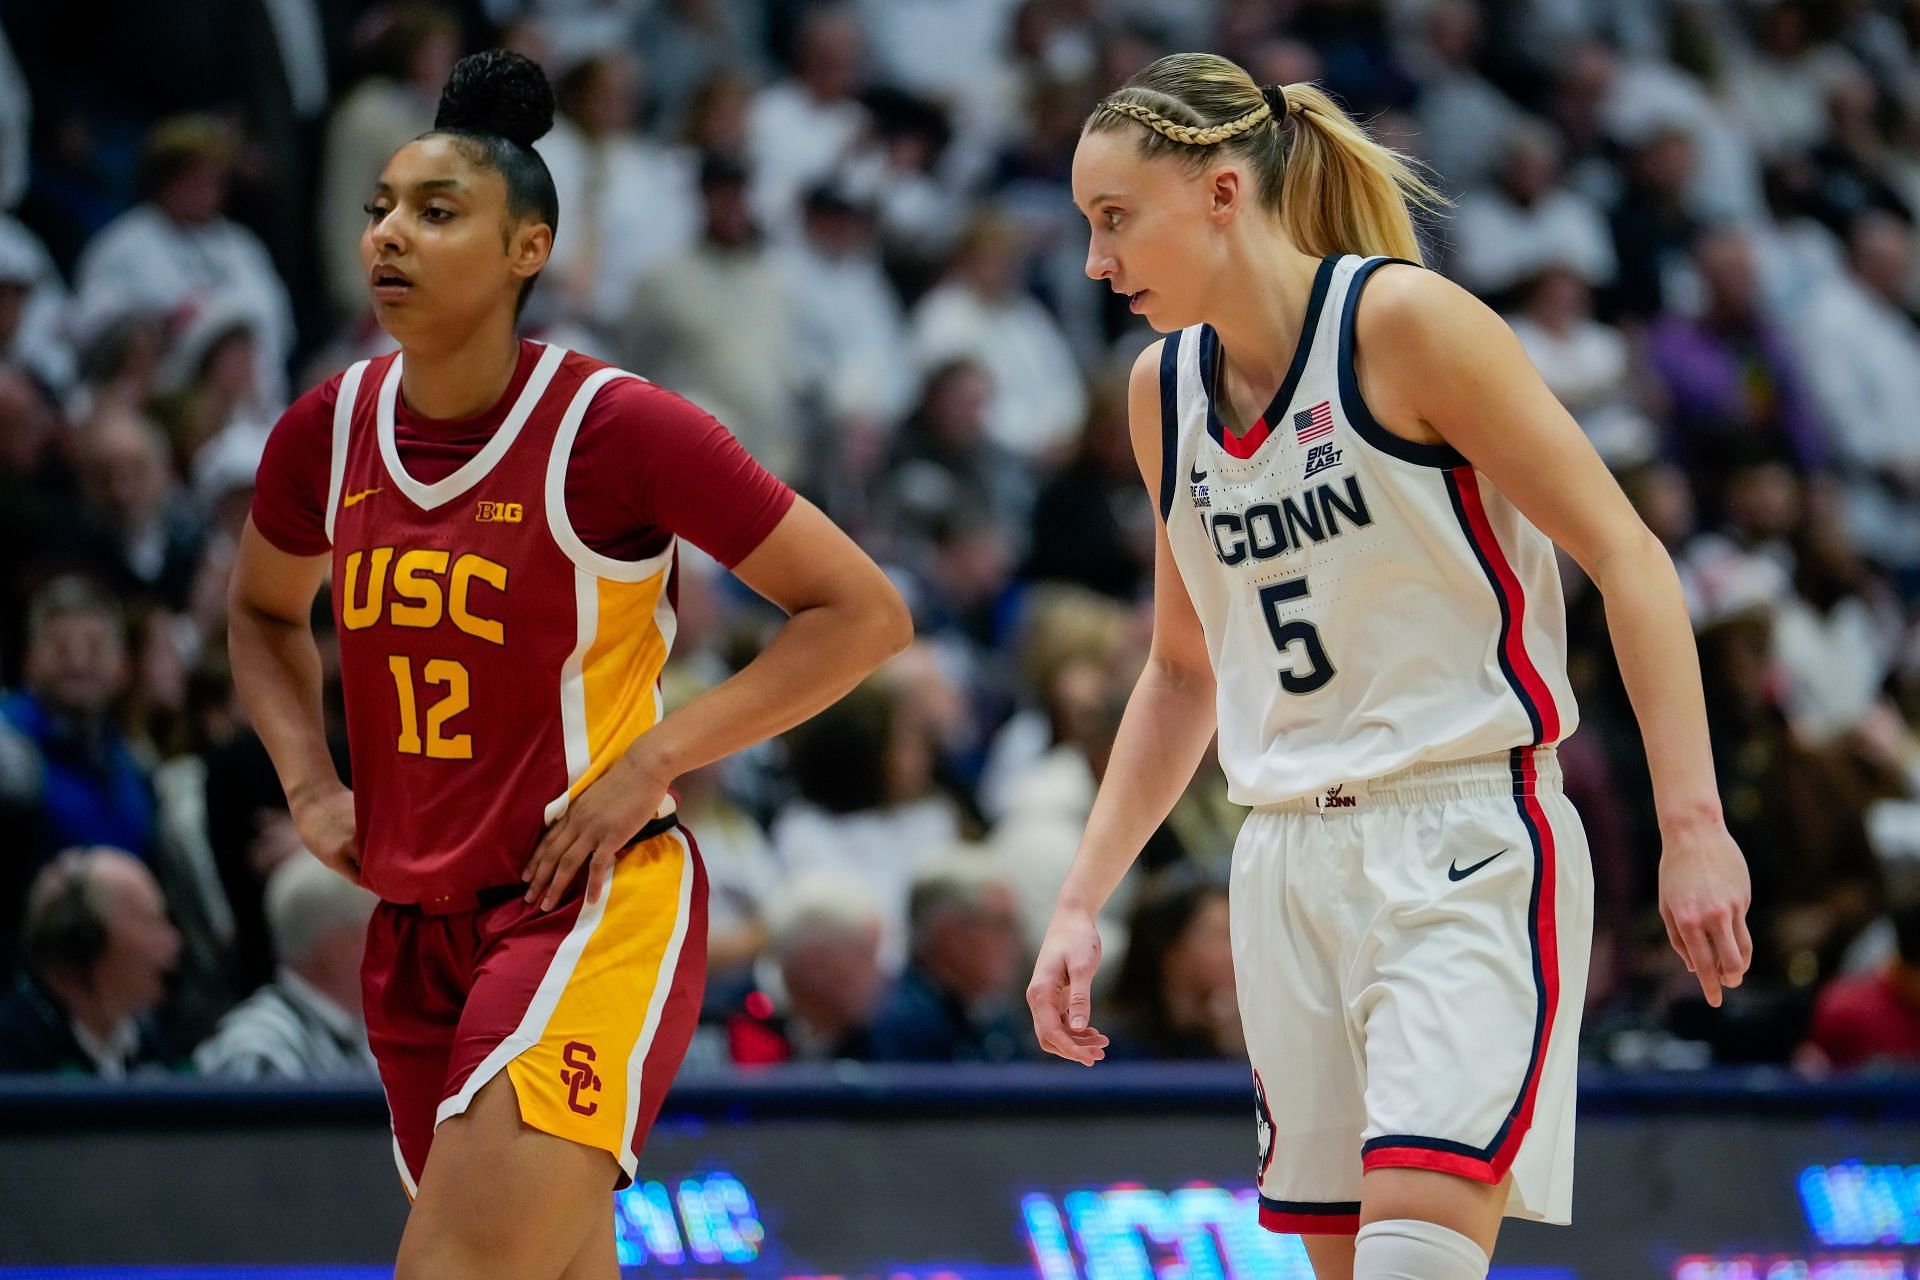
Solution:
(846, 230)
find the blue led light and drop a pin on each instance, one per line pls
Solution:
(1748, 1266)
(1854, 1204)
(1198, 1232)
(707, 1220)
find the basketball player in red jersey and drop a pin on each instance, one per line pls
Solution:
(499, 521)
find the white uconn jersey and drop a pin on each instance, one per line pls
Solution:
(1369, 602)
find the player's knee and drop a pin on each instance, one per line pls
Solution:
(448, 1256)
(442, 1246)
(1411, 1249)
(1470, 1208)
(1331, 1256)
(423, 1258)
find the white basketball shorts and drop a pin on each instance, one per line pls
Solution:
(1411, 956)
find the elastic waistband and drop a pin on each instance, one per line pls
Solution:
(449, 904)
(1523, 771)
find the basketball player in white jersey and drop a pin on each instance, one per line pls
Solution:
(1361, 481)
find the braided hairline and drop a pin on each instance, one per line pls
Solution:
(1189, 134)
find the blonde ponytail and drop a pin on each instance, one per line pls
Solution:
(1334, 189)
(1344, 192)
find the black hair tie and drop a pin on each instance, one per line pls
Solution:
(1276, 96)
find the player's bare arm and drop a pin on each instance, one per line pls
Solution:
(1168, 722)
(276, 668)
(1458, 374)
(843, 620)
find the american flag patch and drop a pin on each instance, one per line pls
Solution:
(1312, 424)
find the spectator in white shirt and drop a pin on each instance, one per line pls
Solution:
(868, 807)
(959, 54)
(1862, 357)
(1642, 98)
(1462, 116)
(411, 58)
(1585, 363)
(921, 215)
(573, 30)
(848, 322)
(801, 129)
(1836, 635)
(689, 42)
(711, 323)
(1781, 88)
(307, 1023)
(942, 48)
(177, 250)
(631, 203)
(207, 386)
(1508, 233)
(33, 307)
(981, 312)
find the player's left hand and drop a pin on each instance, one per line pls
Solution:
(1704, 895)
(601, 821)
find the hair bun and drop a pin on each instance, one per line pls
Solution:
(497, 92)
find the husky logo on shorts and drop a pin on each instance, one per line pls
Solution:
(578, 1076)
(1263, 1124)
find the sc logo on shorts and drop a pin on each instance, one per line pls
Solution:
(500, 513)
(579, 1077)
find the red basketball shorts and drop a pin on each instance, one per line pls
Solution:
(588, 1009)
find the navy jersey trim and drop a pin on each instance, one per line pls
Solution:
(1368, 427)
(1398, 1141)
(1313, 1208)
(1169, 422)
(1302, 348)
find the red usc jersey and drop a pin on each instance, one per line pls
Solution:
(494, 663)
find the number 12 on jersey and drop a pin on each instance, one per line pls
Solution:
(1287, 633)
(439, 745)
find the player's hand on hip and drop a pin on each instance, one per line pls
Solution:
(601, 821)
(1060, 994)
(1704, 895)
(324, 820)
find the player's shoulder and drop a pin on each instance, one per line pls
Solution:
(1404, 299)
(315, 405)
(312, 409)
(1411, 324)
(325, 393)
(1394, 284)
(624, 396)
(577, 368)
(633, 421)
(1146, 365)
(1144, 378)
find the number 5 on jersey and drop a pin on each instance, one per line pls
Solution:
(1286, 634)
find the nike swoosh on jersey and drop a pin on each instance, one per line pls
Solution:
(1458, 872)
(352, 498)
(1197, 476)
